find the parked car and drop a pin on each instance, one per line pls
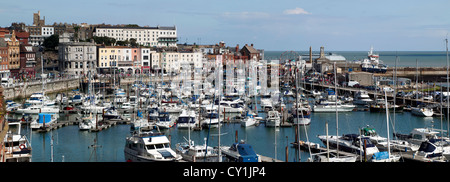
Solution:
(400, 94)
(371, 87)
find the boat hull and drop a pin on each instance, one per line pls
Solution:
(422, 112)
(132, 156)
(330, 108)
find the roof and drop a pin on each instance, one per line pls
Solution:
(250, 49)
(158, 27)
(335, 57)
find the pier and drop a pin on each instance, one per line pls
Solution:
(372, 93)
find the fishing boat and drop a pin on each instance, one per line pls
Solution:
(273, 119)
(239, 152)
(373, 63)
(16, 146)
(149, 147)
(352, 143)
(197, 153)
(44, 119)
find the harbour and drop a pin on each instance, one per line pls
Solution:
(106, 143)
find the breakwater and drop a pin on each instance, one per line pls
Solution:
(426, 74)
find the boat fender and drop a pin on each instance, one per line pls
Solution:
(22, 146)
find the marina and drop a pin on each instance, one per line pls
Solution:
(273, 134)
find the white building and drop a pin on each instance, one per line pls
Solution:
(38, 39)
(146, 36)
(170, 61)
(47, 31)
(77, 58)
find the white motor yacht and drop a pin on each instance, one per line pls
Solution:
(351, 143)
(273, 119)
(197, 153)
(16, 146)
(331, 106)
(165, 120)
(149, 147)
(362, 98)
(187, 119)
(249, 120)
(422, 111)
(212, 120)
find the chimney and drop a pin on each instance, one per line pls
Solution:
(237, 48)
(322, 53)
(252, 45)
(310, 54)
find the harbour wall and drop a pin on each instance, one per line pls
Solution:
(431, 74)
(26, 89)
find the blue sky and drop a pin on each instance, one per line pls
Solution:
(346, 25)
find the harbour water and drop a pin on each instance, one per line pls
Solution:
(72, 145)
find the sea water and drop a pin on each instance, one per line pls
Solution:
(405, 58)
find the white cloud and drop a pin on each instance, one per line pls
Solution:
(245, 15)
(296, 11)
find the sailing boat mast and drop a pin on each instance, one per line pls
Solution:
(335, 104)
(296, 112)
(395, 89)
(448, 101)
(387, 124)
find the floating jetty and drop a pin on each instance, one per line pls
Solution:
(409, 156)
(50, 127)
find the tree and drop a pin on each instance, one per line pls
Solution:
(51, 42)
(104, 40)
(133, 42)
(122, 43)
